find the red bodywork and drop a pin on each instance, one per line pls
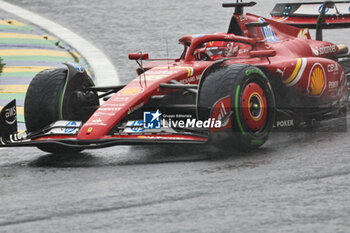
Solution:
(306, 69)
(283, 51)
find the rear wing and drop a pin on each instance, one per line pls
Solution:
(314, 15)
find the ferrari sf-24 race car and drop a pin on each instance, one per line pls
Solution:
(230, 89)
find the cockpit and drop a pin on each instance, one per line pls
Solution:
(223, 45)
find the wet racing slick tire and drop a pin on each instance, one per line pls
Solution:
(252, 105)
(43, 105)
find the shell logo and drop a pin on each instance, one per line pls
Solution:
(317, 80)
(131, 91)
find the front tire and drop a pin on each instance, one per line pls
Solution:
(252, 104)
(44, 104)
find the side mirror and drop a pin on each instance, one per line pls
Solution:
(138, 56)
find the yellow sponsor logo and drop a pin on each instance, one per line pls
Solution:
(131, 91)
(317, 81)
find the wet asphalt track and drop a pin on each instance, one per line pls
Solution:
(297, 182)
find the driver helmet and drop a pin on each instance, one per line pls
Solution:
(215, 50)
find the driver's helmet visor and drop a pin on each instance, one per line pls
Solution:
(214, 51)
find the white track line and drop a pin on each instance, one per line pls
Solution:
(103, 69)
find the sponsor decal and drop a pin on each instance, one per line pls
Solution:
(297, 72)
(284, 123)
(131, 91)
(153, 77)
(78, 67)
(278, 70)
(70, 130)
(132, 109)
(172, 69)
(161, 72)
(98, 120)
(10, 115)
(303, 33)
(64, 127)
(243, 51)
(327, 49)
(324, 50)
(333, 84)
(97, 114)
(332, 68)
(114, 105)
(229, 37)
(268, 32)
(191, 79)
(103, 109)
(151, 120)
(315, 51)
(254, 71)
(94, 124)
(137, 126)
(317, 80)
(320, 9)
(120, 99)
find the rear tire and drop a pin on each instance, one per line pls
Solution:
(252, 103)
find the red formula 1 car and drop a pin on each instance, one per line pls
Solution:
(230, 88)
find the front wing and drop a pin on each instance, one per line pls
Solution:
(64, 133)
